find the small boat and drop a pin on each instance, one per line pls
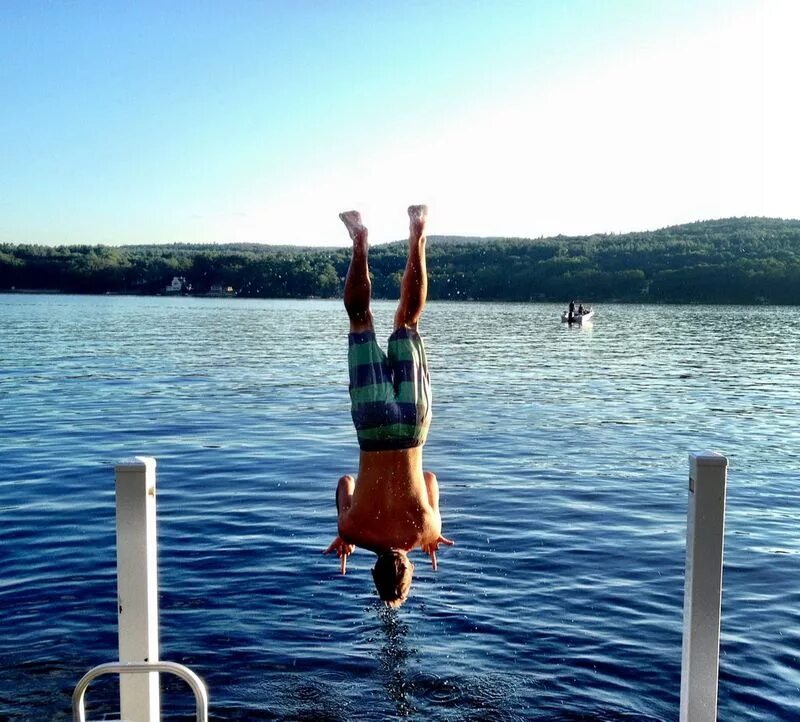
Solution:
(587, 315)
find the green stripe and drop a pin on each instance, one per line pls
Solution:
(373, 392)
(365, 353)
(405, 393)
(392, 431)
(385, 392)
(403, 350)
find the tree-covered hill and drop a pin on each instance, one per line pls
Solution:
(736, 260)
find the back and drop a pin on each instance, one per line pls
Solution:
(391, 507)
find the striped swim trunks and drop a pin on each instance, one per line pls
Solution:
(390, 394)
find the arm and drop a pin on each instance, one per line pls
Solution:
(344, 499)
(432, 485)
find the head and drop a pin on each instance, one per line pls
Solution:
(392, 576)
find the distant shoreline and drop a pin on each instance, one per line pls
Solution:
(598, 304)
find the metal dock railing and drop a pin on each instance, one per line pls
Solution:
(137, 605)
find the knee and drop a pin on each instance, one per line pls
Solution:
(406, 318)
(360, 322)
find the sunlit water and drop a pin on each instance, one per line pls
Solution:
(562, 457)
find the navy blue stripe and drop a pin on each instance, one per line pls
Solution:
(389, 444)
(360, 337)
(403, 332)
(378, 373)
(405, 371)
(370, 415)
(369, 374)
(373, 414)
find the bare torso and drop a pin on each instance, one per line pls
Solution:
(394, 504)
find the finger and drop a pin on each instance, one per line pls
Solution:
(331, 547)
(433, 560)
(444, 540)
(344, 563)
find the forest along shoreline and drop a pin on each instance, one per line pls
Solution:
(736, 260)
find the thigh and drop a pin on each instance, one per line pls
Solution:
(409, 366)
(367, 363)
(407, 358)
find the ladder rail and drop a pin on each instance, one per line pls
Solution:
(197, 685)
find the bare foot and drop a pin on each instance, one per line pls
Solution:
(356, 229)
(418, 216)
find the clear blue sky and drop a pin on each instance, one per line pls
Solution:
(225, 121)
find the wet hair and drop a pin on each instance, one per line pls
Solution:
(392, 575)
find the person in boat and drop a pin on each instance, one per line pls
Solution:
(580, 309)
(571, 313)
(392, 505)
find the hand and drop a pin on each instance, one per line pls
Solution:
(433, 547)
(342, 549)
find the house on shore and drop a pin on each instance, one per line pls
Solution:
(177, 286)
(218, 290)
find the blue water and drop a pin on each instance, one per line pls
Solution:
(562, 457)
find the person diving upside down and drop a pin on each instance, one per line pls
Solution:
(392, 506)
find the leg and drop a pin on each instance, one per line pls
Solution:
(357, 286)
(414, 286)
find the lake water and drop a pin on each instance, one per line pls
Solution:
(562, 458)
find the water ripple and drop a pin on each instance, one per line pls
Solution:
(562, 455)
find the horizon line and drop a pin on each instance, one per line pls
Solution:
(319, 246)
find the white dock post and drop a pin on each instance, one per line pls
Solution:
(703, 586)
(137, 586)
